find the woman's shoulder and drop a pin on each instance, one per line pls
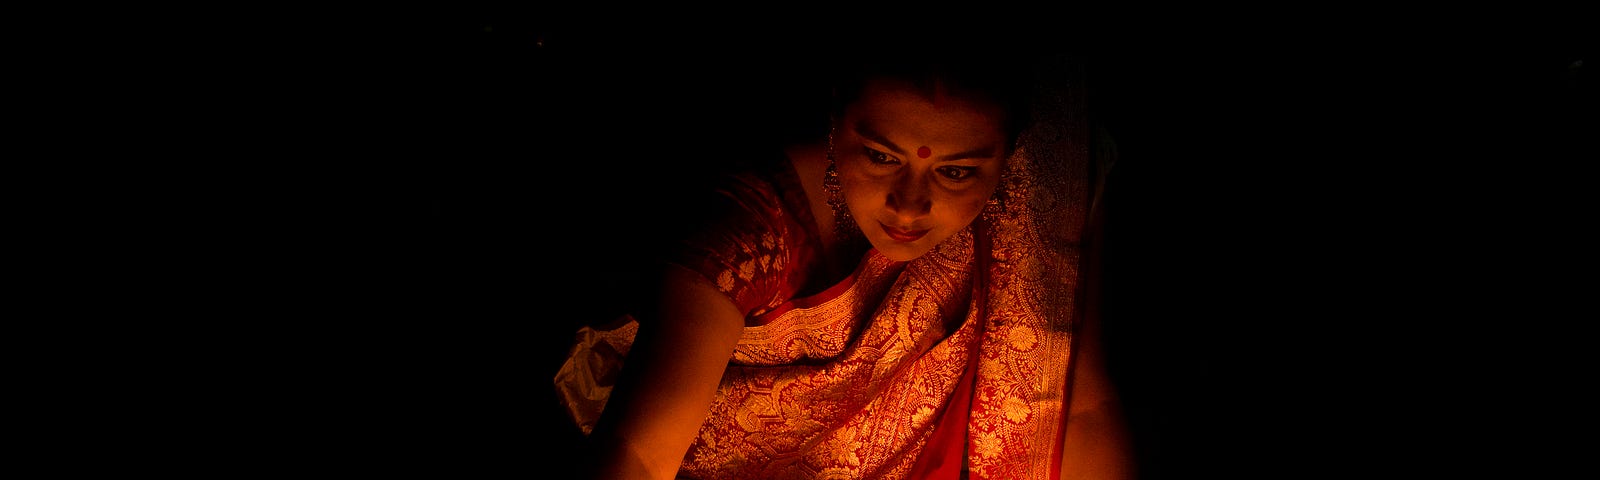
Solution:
(766, 186)
(751, 235)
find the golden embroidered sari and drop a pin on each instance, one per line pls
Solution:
(957, 360)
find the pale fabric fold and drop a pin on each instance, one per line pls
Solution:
(585, 381)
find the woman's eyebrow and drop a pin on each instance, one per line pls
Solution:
(983, 153)
(866, 132)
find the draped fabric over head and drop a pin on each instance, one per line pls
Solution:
(959, 359)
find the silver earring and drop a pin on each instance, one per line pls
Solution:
(844, 226)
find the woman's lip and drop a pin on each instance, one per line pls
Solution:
(903, 235)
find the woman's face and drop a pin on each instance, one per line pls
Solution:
(915, 170)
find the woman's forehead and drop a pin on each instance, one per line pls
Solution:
(891, 104)
(932, 90)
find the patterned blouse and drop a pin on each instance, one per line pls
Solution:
(759, 244)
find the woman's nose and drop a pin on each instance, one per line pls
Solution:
(910, 197)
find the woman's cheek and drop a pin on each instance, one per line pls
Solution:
(971, 200)
(859, 193)
(967, 207)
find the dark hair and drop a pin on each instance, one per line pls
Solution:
(993, 68)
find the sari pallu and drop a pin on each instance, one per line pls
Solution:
(957, 360)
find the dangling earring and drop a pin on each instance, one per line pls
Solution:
(844, 226)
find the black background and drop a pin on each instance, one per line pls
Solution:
(1323, 232)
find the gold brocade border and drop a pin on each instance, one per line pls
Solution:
(1032, 284)
(823, 330)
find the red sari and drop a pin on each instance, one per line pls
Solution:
(957, 360)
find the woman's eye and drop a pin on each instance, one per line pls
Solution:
(957, 173)
(880, 157)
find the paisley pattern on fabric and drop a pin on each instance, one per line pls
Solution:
(793, 408)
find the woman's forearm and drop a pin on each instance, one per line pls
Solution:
(668, 381)
(1097, 445)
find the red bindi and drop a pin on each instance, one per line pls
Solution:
(924, 152)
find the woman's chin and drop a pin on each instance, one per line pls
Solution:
(901, 251)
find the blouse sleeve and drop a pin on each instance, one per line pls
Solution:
(746, 244)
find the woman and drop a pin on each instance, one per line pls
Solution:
(905, 298)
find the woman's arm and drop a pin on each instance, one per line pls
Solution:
(668, 380)
(1097, 444)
